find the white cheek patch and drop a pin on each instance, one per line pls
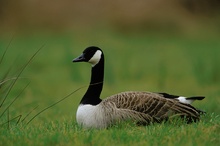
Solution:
(95, 58)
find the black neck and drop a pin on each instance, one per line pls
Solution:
(92, 95)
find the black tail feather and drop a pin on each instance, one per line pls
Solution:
(175, 96)
(196, 98)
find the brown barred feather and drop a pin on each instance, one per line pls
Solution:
(147, 107)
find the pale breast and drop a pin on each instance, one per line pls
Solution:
(90, 116)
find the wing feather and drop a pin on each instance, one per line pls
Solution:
(149, 107)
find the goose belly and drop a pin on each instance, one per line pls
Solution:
(90, 116)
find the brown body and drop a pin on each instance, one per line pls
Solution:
(147, 107)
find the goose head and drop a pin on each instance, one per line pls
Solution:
(91, 55)
(95, 57)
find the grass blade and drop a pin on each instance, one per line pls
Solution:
(59, 101)
(3, 56)
(29, 113)
(9, 120)
(54, 104)
(14, 100)
(13, 83)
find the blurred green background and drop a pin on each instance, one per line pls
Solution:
(160, 46)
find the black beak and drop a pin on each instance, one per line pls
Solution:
(81, 58)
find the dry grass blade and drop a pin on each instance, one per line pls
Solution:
(7, 80)
(4, 80)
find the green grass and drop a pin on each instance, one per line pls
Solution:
(174, 64)
(67, 132)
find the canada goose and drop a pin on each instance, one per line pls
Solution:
(142, 107)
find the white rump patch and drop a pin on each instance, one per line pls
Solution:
(185, 100)
(95, 58)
